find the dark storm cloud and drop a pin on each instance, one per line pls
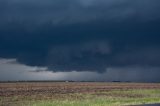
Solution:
(76, 11)
(81, 34)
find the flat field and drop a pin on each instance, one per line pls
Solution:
(78, 94)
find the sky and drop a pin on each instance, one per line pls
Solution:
(80, 40)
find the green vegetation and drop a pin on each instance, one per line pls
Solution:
(98, 102)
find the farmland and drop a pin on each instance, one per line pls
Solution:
(78, 94)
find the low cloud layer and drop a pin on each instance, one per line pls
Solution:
(11, 70)
(81, 35)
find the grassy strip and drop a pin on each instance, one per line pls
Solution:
(97, 102)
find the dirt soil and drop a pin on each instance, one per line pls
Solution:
(49, 88)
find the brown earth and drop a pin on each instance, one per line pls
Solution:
(62, 88)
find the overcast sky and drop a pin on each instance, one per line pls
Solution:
(106, 40)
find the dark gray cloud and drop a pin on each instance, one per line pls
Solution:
(81, 35)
